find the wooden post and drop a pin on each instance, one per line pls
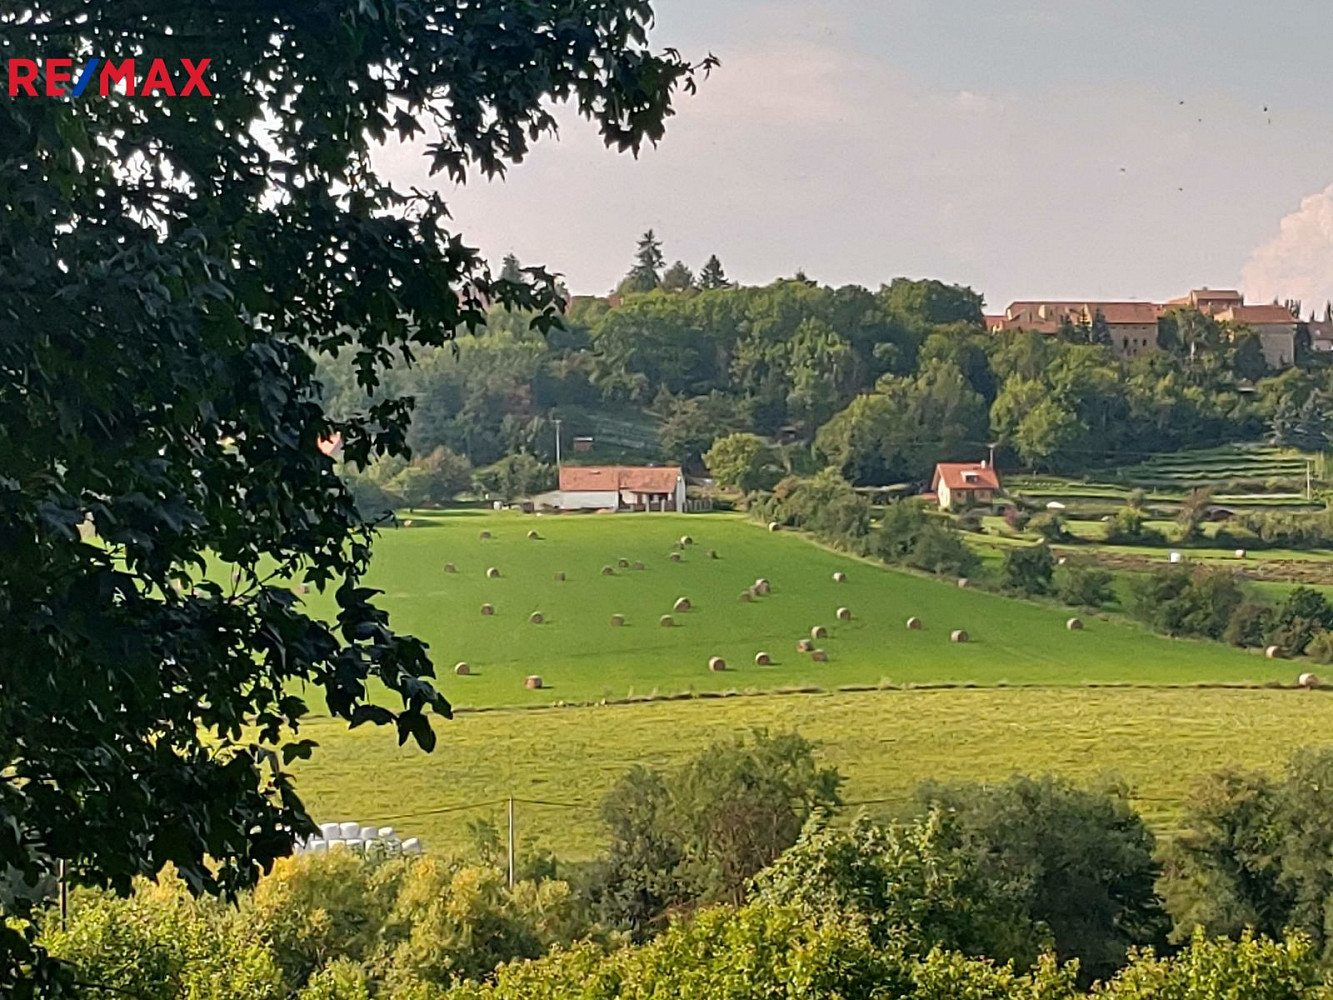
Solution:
(511, 842)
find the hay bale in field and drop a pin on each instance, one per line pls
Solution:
(804, 646)
(462, 669)
(1062, 560)
(536, 618)
(492, 573)
(840, 577)
(962, 581)
(958, 635)
(638, 565)
(533, 536)
(675, 557)
(712, 553)
(1074, 624)
(1240, 553)
(560, 576)
(532, 682)
(844, 614)
(1308, 681)
(762, 659)
(682, 604)
(617, 620)
(666, 621)
(623, 563)
(608, 571)
(746, 597)
(450, 568)
(485, 535)
(774, 526)
(1273, 652)
(487, 610)
(717, 664)
(686, 540)
(819, 632)
(914, 624)
(761, 587)
(818, 656)
(407, 524)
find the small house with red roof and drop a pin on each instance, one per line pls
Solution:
(620, 487)
(959, 485)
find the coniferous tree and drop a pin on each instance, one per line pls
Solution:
(1099, 332)
(511, 269)
(646, 274)
(712, 275)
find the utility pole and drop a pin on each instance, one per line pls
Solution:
(557, 442)
(1308, 491)
(991, 446)
(511, 842)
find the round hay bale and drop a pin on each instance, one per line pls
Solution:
(1240, 553)
(608, 571)
(804, 646)
(774, 526)
(532, 682)
(717, 664)
(1308, 681)
(536, 618)
(818, 656)
(819, 632)
(840, 577)
(450, 568)
(1062, 560)
(712, 553)
(682, 604)
(962, 581)
(617, 620)
(485, 535)
(487, 610)
(638, 565)
(666, 621)
(492, 573)
(746, 597)
(686, 540)
(958, 635)
(675, 557)
(762, 587)
(462, 669)
(408, 524)
(623, 563)
(532, 535)
(1074, 624)
(560, 576)
(1274, 653)
(914, 624)
(844, 614)
(762, 659)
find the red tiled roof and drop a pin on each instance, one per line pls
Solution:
(1258, 314)
(965, 476)
(605, 478)
(1116, 313)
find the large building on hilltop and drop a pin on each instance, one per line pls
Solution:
(1132, 326)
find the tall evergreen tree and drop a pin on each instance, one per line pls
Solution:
(646, 274)
(1099, 332)
(712, 275)
(511, 269)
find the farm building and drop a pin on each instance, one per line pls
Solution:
(958, 485)
(618, 487)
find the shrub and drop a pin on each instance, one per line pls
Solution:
(1028, 569)
(1086, 586)
(1178, 600)
(1128, 527)
(1320, 648)
(1016, 518)
(1050, 526)
(1249, 624)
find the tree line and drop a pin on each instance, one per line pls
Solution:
(740, 873)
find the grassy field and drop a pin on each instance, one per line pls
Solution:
(884, 743)
(582, 658)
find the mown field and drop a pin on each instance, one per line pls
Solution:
(884, 743)
(581, 657)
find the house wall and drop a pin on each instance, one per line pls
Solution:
(946, 498)
(1129, 340)
(1279, 343)
(589, 499)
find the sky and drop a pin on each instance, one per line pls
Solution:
(1052, 149)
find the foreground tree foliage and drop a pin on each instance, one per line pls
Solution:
(167, 272)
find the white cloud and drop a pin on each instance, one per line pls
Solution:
(1297, 263)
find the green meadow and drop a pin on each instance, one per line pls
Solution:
(559, 762)
(581, 657)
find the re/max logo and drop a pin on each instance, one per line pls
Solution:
(57, 75)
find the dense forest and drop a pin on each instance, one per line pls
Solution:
(876, 384)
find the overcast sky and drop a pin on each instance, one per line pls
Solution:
(1045, 149)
